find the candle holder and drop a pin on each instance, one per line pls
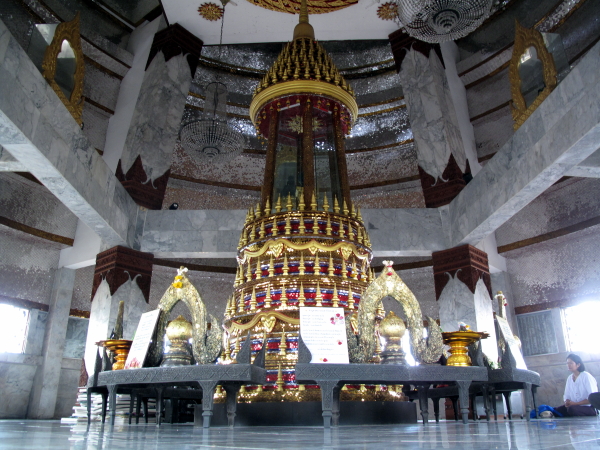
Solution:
(120, 348)
(458, 342)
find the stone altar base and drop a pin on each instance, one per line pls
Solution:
(309, 414)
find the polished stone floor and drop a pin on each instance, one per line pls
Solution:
(518, 434)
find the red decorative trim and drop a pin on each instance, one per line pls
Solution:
(176, 40)
(443, 192)
(147, 194)
(120, 264)
(402, 43)
(467, 263)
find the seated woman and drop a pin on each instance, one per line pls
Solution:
(580, 385)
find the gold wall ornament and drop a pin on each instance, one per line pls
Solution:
(206, 345)
(524, 39)
(425, 351)
(388, 11)
(66, 32)
(210, 11)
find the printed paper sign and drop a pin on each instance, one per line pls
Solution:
(513, 346)
(141, 341)
(323, 330)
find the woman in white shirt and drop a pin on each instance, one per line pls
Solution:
(580, 385)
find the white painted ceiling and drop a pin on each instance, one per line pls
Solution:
(247, 23)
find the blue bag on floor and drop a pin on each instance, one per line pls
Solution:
(542, 408)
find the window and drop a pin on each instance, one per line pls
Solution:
(581, 324)
(13, 325)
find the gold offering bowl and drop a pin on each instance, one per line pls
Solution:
(120, 347)
(458, 342)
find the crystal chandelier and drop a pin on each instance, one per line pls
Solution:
(212, 137)
(436, 21)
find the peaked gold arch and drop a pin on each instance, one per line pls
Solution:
(389, 284)
(206, 344)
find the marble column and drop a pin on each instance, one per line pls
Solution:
(443, 166)
(463, 289)
(146, 159)
(121, 274)
(43, 396)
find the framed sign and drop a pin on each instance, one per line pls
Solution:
(513, 345)
(323, 331)
(141, 341)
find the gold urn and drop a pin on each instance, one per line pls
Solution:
(120, 349)
(391, 329)
(458, 342)
(179, 333)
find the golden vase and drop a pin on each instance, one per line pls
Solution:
(458, 342)
(120, 348)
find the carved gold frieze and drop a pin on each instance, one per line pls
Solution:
(67, 31)
(524, 39)
(266, 319)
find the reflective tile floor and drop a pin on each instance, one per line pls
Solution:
(577, 434)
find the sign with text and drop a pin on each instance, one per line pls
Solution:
(141, 341)
(512, 343)
(323, 330)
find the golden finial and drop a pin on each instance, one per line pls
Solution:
(238, 279)
(268, 297)
(345, 208)
(257, 211)
(330, 267)
(317, 266)
(336, 205)
(350, 231)
(319, 296)
(301, 296)
(271, 267)
(274, 230)
(283, 297)
(301, 200)
(236, 347)
(288, 203)
(344, 269)
(280, 381)
(258, 270)
(350, 297)
(251, 214)
(328, 228)
(313, 203)
(335, 299)
(325, 203)
(360, 235)
(253, 300)
(244, 237)
(353, 212)
(358, 215)
(241, 304)
(278, 204)
(240, 243)
(248, 272)
(286, 268)
(267, 207)
(283, 344)
(301, 227)
(288, 224)
(301, 265)
(262, 232)
(354, 270)
(252, 232)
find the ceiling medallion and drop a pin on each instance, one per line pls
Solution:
(314, 6)
(436, 21)
(388, 11)
(210, 11)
